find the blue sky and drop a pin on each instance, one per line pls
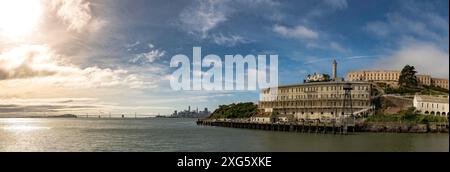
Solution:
(126, 46)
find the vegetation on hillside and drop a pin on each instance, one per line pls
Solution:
(425, 90)
(239, 110)
(401, 90)
(409, 115)
(408, 85)
(433, 90)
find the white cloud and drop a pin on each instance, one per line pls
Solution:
(74, 105)
(428, 27)
(257, 3)
(415, 34)
(338, 47)
(378, 28)
(311, 38)
(204, 16)
(326, 7)
(230, 41)
(298, 32)
(329, 45)
(38, 106)
(148, 57)
(133, 44)
(426, 57)
(437, 21)
(76, 14)
(39, 65)
(336, 4)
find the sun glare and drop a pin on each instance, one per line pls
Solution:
(19, 18)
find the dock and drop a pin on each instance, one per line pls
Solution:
(302, 127)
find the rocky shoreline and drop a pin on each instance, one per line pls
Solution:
(396, 127)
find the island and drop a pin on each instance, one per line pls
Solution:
(368, 101)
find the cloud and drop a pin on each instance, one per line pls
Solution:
(47, 105)
(338, 47)
(148, 57)
(326, 7)
(203, 16)
(426, 57)
(25, 62)
(414, 22)
(311, 38)
(57, 106)
(76, 14)
(230, 41)
(297, 32)
(416, 34)
(378, 28)
(328, 45)
(38, 64)
(133, 44)
(336, 4)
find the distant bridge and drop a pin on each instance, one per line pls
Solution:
(114, 116)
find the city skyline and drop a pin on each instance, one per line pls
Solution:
(113, 56)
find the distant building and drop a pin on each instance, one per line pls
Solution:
(191, 114)
(432, 105)
(317, 77)
(439, 82)
(391, 77)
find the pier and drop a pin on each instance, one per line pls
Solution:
(331, 127)
(303, 127)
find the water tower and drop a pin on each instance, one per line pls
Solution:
(347, 104)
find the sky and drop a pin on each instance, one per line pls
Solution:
(113, 56)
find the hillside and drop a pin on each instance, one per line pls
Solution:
(239, 110)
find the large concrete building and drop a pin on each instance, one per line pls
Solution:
(439, 82)
(431, 105)
(391, 77)
(317, 100)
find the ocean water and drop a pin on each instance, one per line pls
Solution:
(168, 135)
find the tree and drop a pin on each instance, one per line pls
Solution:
(408, 77)
(326, 77)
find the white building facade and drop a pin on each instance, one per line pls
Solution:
(432, 105)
